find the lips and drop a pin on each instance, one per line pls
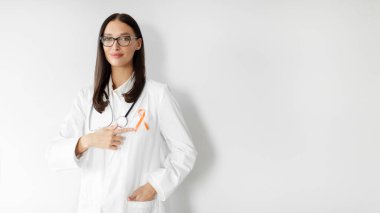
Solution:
(116, 55)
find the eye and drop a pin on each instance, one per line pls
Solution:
(107, 38)
(125, 38)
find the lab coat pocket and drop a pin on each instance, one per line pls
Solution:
(141, 206)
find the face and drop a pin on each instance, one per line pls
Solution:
(116, 55)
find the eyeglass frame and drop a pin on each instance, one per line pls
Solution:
(117, 40)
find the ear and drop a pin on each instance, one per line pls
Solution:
(139, 44)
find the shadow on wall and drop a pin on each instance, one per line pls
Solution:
(156, 67)
(154, 54)
(206, 156)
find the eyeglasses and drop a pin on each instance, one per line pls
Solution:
(121, 40)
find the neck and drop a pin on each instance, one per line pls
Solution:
(120, 75)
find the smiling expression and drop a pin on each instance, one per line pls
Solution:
(116, 55)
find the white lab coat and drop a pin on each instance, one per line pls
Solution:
(160, 151)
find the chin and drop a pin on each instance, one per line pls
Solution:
(118, 63)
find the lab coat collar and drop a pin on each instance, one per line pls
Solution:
(124, 88)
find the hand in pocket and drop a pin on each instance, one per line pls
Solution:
(143, 193)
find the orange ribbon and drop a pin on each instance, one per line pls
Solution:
(142, 116)
(141, 112)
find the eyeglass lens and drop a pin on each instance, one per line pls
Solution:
(122, 41)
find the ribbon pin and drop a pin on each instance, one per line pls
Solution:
(141, 112)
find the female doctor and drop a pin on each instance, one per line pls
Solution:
(125, 132)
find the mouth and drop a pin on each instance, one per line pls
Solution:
(116, 55)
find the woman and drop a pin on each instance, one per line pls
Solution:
(126, 133)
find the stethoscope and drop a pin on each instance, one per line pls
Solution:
(121, 121)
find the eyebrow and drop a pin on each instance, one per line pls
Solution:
(120, 34)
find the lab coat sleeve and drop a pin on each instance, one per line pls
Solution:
(182, 153)
(60, 153)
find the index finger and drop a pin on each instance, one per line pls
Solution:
(122, 130)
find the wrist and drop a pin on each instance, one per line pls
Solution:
(84, 143)
(152, 188)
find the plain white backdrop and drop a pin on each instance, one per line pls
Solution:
(282, 99)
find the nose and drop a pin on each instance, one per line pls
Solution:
(115, 45)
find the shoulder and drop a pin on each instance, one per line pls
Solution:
(159, 91)
(84, 94)
(153, 88)
(87, 90)
(155, 85)
(156, 88)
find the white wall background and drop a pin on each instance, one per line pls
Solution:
(282, 99)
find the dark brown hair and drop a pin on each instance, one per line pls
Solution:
(103, 67)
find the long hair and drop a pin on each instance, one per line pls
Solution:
(103, 67)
